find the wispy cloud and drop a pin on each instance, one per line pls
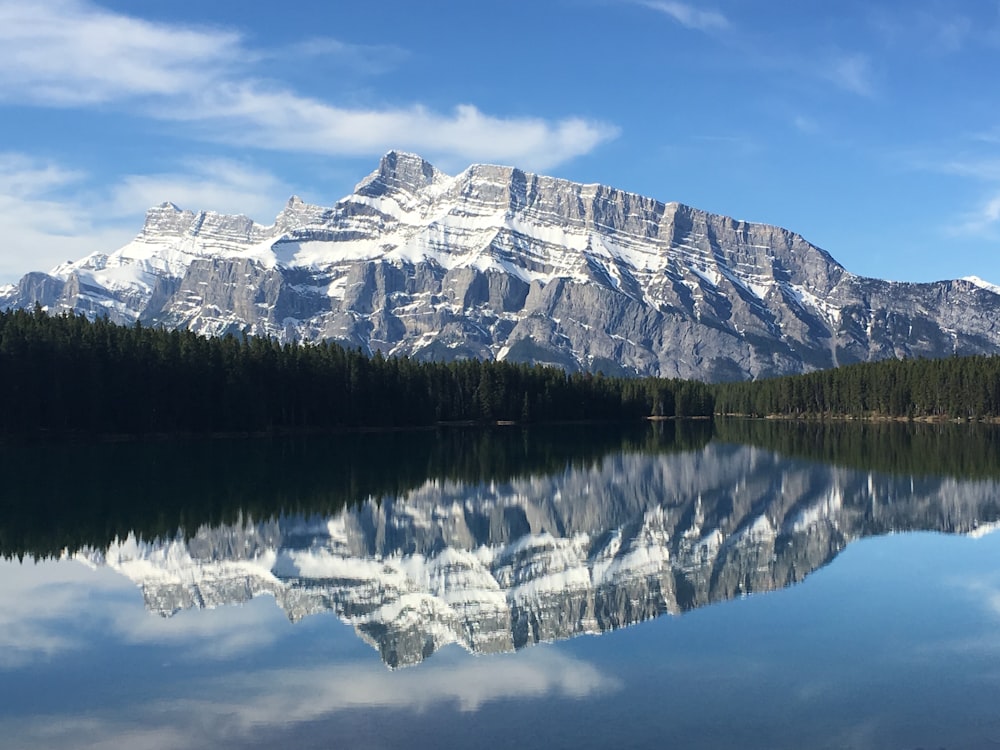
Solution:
(805, 124)
(36, 599)
(689, 15)
(65, 52)
(42, 224)
(852, 73)
(231, 708)
(983, 220)
(982, 168)
(927, 30)
(979, 165)
(203, 635)
(51, 213)
(953, 33)
(70, 53)
(252, 115)
(22, 175)
(222, 185)
(372, 59)
(985, 588)
(990, 135)
(39, 601)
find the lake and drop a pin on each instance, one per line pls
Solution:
(745, 585)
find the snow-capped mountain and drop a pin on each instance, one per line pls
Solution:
(499, 263)
(500, 566)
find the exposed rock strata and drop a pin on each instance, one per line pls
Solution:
(499, 263)
(500, 566)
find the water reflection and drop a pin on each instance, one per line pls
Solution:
(496, 564)
(494, 541)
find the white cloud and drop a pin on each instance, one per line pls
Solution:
(36, 600)
(985, 589)
(689, 15)
(67, 52)
(56, 606)
(221, 185)
(215, 634)
(363, 58)
(852, 73)
(470, 682)
(50, 214)
(984, 220)
(281, 120)
(23, 175)
(39, 602)
(71, 53)
(982, 168)
(41, 226)
(232, 707)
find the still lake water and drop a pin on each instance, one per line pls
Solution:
(754, 585)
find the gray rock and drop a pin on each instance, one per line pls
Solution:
(498, 263)
(499, 566)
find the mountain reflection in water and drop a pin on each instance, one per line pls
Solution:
(495, 565)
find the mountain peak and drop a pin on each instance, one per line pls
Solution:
(166, 218)
(498, 263)
(399, 170)
(982, 284)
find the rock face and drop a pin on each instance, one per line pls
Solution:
(497, 263)
(500, 566)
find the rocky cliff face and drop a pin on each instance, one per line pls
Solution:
(499, 263)
(496, 567)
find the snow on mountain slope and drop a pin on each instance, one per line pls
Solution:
(483, 565)
(498, 263)
(982, 283)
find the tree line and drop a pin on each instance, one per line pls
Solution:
(955, 388)
(64, 373)
(963, 451)
(67, 374)
(60, 495)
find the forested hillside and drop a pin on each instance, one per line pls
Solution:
(971, 451)
(65, 373)
(953, 388)
(62, 495)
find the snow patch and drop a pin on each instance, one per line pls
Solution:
(982, 284)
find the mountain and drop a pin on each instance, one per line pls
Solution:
(500, 263)
(500, 565)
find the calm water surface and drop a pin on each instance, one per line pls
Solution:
(751, 586)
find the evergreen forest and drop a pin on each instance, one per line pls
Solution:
(960, 388)
(65, 374)
(60, 496)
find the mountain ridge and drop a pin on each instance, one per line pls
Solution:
(501, 565)
(498, 263)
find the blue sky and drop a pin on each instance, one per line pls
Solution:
(871, 128)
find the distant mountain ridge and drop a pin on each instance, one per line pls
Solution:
(499, 566)
(497, 263)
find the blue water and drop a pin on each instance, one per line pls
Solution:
(895, 643)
